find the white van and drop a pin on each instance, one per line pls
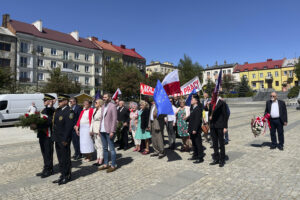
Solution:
(12, 106)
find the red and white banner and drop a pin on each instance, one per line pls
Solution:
(189, 86)
(146, 89)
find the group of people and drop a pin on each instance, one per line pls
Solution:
(94, 128)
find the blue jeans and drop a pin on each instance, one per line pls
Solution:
(107, 141)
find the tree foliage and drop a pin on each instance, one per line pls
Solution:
(188, 69)
(209, 87)
(152, 80)
(7, 82)
(227, 83)
(60, 83)
(297, 70)
(243, 88)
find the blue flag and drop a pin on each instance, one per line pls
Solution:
(97, 95)
(162, 101)
(189, 99)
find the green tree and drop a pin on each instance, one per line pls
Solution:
(188, 69)
(7, 81)
(112, 74)
(152, 80)
(60, 83)
(243, 87)
(227, 83)
(297, 71)
(209, 87)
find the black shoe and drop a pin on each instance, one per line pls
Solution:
(221, 164)
(215, 162)
(125, 148)
(197, 161)
(96, 164)
(226, 157)
(120, 148)
(204, 148)
(161, 156)
(47, 174)
(74, 156)
(58, 180)
(273, 147)
(78, 157)
(226, 143)
(280, 148)
(154, 155)
(193, 158)
(63, 181)
(40, 173)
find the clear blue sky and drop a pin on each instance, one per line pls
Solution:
(165, 30)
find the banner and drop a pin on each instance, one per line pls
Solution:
(146, 89)
(189, 86)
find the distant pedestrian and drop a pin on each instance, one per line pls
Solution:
(171, 122)
(278, 118)
(123, 118)
(134, 116)
(182, 113)
(32, 109)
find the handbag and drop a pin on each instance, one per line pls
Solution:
(205, 128)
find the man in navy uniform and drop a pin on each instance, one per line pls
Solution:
(44, 135)
(63, 123)
(75, 138)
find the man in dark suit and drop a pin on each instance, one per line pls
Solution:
(194, 129)
(218, 117)
(278, 118)
(75, 138)
(63, 125)
(44, 135)
(123, 117)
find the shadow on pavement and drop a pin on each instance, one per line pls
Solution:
(264, 144)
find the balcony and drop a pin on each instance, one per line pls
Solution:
(269, 78)
(23, 65)
(24, 79)
(67, 70)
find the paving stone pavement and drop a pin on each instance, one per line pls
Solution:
(253, 171)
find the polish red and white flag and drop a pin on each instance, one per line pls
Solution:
(116, 94)
(171, 83)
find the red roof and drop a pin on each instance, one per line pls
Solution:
(106, 46)
(128, 52)
(49, 34)
(269, 64)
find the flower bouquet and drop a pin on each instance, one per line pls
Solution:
(259, 124)
(33, 121)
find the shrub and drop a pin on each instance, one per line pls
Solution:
(294, 92)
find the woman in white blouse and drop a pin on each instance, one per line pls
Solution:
(82, 129)
(95, 131)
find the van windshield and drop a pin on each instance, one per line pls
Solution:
(3, 105)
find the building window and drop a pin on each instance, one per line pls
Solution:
(4, 46)
(285, 73)
(76, 56)
(117, 59)
(23, 77)
(24, 47)
(40, 49)
(269, 74)
(224, 71)
(253, 84)
(208, 73)
(76, 79)
(229, 71)
(277, 83)
(4, 62)
(253, 75)
(65, 65)
(65, 55)
(53, 64)
(96, 70)
(86, 69)
(261, 75)
(276, 66)
(87, 80)
(276, 74)
(53, 52)
(40, 76)
(86, 57)
(215, 72)
(97, 60)
(40, 62)
(290, 74)
(23, 62)
(265, 67)
(107, 58)
(76, 67)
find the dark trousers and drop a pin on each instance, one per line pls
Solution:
(197, 145)
(64, 158)
(76, 143)
(124, 137)
(217, 135)
(276, 125)
(171, 134)
(46, 145)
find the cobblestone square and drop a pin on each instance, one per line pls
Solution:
(253, 171)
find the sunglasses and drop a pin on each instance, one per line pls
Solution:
(272, 96)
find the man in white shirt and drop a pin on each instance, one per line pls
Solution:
(32, 109)
(278, 118)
